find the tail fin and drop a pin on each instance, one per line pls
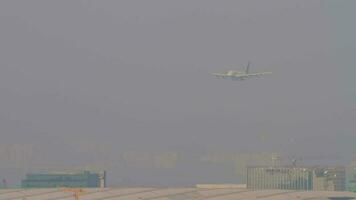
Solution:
(248, 67)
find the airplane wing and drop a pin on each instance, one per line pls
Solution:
(219, 75)
(233, 77)
(257, 74)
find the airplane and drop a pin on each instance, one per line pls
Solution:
(239, 75)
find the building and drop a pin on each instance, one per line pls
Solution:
(296, 178)
(352, 183)
(329, 179)
(221, 186)
(278, 177)
(352, 186)
(160, 193)
(51, 180)
(351, 177)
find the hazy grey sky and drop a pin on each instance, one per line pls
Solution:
(89, 82)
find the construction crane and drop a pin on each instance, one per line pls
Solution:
(76, 191)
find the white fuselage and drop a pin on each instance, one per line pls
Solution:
(234, 73)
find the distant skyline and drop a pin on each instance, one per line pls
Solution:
(119, 83)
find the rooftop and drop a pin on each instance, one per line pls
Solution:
(171, 194)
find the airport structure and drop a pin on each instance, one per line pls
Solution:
(329, 179)
(154, 193)
(279, 177)
(296, 178)
(352, 183)
(82, 179)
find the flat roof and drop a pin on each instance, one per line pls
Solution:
(297, 166)
(171, 194)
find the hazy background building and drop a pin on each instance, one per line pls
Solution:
(64, 179)
(352, 185)
(296, 178)
(351, 176)
(278, 177)
(329, 179)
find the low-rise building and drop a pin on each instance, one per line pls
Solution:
(279, 177)
(296, 178)
(351, 186)
(329, 179)
(63, 179)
